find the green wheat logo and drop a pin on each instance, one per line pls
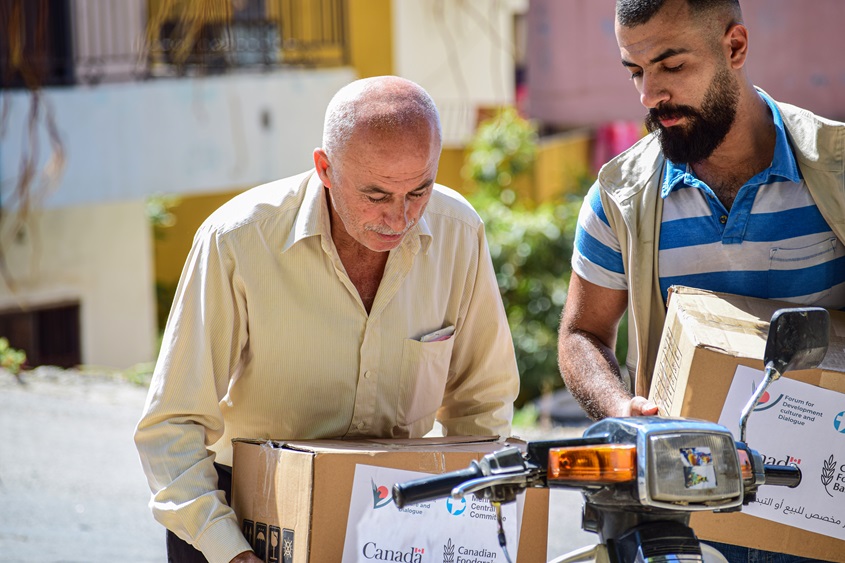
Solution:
(827, 473)
(449, 552)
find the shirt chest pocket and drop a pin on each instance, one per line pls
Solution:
(802, 275)
(425, 369)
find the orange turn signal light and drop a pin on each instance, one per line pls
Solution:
(606, 464)
(745, 466)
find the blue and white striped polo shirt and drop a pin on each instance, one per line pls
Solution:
(773, 244)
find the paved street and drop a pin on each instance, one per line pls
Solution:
(71, 486)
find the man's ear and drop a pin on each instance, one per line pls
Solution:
(737, 42)
(321, 164)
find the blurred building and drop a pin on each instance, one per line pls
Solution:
(575, 77)
(131, 121)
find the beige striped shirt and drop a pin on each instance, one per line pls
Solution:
(268, 338)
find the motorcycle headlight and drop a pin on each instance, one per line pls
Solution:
(693, 468)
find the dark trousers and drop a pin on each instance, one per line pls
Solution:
(179, 551)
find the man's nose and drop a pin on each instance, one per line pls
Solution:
(397, 216)
(652, 92)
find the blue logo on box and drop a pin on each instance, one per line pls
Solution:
(839, 422)
(456, 508)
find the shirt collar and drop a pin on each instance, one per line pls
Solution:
(312, 219)
(783, 164)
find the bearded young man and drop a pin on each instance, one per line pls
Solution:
(730, 192)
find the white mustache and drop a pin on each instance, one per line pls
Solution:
(390, 232)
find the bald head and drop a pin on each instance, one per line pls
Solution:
(383, 106)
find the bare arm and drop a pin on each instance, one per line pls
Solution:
(586, 344)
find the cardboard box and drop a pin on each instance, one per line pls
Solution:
(705, 337)
(300, 491)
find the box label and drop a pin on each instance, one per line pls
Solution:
(434, 531)
(269, 543)
(802, 424)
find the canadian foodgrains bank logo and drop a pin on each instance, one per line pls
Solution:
(833, 475)
(466, 554)
(456, 508)
(449, 552)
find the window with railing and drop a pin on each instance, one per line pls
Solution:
(61, 42)
(35, 43)
(216, 35)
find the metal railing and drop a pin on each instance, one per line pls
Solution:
(63, 42)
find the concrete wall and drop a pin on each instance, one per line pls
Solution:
(91, 241)
(127, 141)
(97, 255)
(575, 77)
(461, 52)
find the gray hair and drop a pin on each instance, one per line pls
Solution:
(383, 104)
(631, 13)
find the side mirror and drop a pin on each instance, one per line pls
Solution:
(798, 339)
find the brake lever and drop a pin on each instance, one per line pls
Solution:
(513, 484)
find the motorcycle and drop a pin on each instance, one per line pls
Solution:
(642, 477)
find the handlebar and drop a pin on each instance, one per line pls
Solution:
(501, 475)
(783, 476)
(434, 487)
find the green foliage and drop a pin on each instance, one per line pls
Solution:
(526, 417)
(531, 247)
(165, 293)
(159, 213)
(11, 360)
(503, 148)
(139, 374)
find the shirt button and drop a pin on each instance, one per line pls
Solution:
(366, 375)
(360, 426)
(723, 219)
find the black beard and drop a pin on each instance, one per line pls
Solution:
(705, 128)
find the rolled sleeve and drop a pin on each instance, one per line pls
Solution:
(182, 417)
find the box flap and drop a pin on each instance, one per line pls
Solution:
(720, 323)
(737, 325)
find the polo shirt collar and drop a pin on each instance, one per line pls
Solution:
(783, 165)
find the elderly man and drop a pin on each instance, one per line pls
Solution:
(356, 299)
